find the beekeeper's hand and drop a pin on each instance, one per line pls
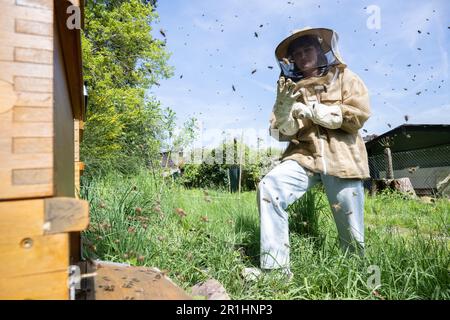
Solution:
(326, 116)
(286, 97)
(287, 94)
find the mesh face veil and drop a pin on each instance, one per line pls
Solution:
(325, 44)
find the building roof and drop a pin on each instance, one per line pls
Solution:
(409, 137)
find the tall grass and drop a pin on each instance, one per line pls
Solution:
(135, 219)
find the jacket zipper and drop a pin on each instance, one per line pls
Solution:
(322, 151)
(322, 146)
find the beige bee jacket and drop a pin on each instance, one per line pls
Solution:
(337, 152)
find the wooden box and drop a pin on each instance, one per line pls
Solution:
(41, 93)
(41, 100)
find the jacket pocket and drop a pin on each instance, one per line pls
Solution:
(331, 97)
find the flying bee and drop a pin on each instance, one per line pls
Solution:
(336, 206)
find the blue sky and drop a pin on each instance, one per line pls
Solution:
(214, 47)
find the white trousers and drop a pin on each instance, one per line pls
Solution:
(288, 182)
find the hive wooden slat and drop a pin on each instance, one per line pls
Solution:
(21, 219)
(45, 286)
(28, 218)
(26, 191)
(46, 254)
(116, 282)
(39, 4)
(65, 215)
(32, 145)
(26, 99)
(33, 55)
(32, 114)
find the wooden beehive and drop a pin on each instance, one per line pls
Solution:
(41, 100)
(41, 125)
(40, 91)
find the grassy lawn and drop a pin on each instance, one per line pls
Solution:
(196, 235)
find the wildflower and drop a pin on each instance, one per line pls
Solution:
(180, 212)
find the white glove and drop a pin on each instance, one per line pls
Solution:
(285, 94)
(301, 110)
(284, 107)
(326, 116)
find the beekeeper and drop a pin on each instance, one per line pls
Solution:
(320, 106)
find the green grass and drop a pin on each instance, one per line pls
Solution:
(219, 236)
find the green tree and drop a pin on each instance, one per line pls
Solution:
(121, 61)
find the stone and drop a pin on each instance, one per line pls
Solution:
(251, 274)
(211, 290)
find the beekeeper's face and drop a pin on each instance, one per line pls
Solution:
(305, 57)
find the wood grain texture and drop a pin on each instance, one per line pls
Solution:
(34, 27)
(32, 176)
(7, 98)
(21, 219)
(32, 114)
(32, 145)
(115, 282)
(6, 54)
(33, 55)
(29, 218)
(45, 254)
(33, 84)
(8, 191)
(39, 4)
(45, 286)
(26, 99)
(66, 215)
(35, 71)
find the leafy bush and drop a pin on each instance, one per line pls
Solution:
(213, 174)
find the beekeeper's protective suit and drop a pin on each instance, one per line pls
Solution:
(320, 107)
